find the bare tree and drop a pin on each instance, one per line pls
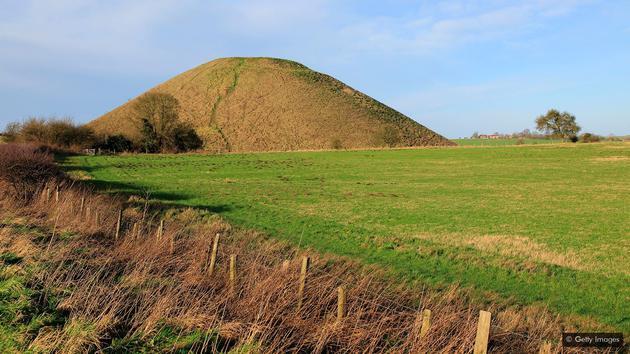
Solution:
(158, 117)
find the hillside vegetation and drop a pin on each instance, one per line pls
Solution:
(265, 104)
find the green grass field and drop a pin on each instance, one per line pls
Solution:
(504, 142)
(520, 224)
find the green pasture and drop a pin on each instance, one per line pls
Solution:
(537, 224)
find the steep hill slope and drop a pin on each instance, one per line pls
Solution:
(264, 104)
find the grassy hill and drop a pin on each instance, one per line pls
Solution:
(264, 104)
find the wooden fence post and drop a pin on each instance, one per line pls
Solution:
(341, 303)
(426, 322)
(545, 348)
(81, 206)
(118, 223)
(52, 237)
(483, 333)
(213, 254)
(134, 231)
(160, 230)
(304, 269)
(232, 273)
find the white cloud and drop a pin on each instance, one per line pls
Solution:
(144, 35)
(83, 33)
(457, 24)
(106, 35)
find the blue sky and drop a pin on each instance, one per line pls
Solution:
(455, 66)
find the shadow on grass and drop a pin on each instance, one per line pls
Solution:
(161, 200)
(157, 199)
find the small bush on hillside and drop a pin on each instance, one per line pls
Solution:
(391, 136)
(589, 138)
(336, 144)
(25, 168)
(573, 139)
(186, 139)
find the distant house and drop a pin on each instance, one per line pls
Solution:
(489, 136)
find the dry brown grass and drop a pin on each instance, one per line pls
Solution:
(263, 104)
(612, 159)
(23, 167)
(525, 248)
(138, 283)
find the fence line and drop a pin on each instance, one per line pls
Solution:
(483, 324)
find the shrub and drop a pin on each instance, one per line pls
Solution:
(56, 132)
(115, 143)
(391, 136)
(25, 168)
(149, 141)
(336, 144)
(186, 139)
(589, 138)
(157, 115)
(520, 141)
(64, 133)
(33, 130)
(573, 138)
(11, 132)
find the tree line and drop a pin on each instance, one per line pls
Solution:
(553, 124)
(156, 116)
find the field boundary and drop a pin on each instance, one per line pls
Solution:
(104, 219)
